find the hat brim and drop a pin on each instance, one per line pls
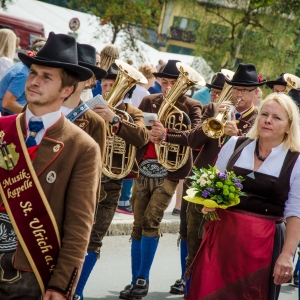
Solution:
(165, 75)
(111, 76)
(99, 73)
(82, 72)
(240, 83)
(270, 84)
(212, 86)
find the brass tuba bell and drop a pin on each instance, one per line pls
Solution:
(214, 127)
(292, 82)
(172, 156)
(127, 77)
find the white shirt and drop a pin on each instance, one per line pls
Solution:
(138, 94)
(271, 166)
(48, 120)
(86, 95)
(5, 64)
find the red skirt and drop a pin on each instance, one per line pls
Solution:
(234, 258)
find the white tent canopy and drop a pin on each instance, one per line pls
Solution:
(57, 19)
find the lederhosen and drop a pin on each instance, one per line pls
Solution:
(240, 251)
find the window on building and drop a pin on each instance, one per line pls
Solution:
(185, 24)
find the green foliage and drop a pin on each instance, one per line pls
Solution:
(5, 3)
(131, 18)
(266, 33)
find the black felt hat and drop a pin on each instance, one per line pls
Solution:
(87, 58)
(245, 75)
(60, 51)
(112, 72)
(279, 81)
(217, 82)
(169, 71)
(295, 95)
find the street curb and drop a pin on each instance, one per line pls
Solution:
(121, 227)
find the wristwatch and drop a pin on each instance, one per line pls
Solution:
(115, 120)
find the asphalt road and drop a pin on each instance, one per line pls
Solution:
(112, 271)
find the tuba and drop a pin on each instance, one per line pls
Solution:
(292, 82)
(214, 127)
(174, 156)
(127, 77)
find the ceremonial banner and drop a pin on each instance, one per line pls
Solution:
(26, 203)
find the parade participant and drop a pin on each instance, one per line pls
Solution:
(107, 56)
(74, 108)
(80, 114)
(132, 133)
(253, 233)
(216, 86)
(278, 85)
(245, 82)
(49, 180)
(154, 188)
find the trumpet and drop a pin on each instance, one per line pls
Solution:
(214, 127)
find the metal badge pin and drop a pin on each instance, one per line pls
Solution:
(154, 105)
(245, 126)
(51, 177)
(56, 148)
(81, 125)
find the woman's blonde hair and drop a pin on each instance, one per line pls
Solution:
(8, 42)
(147, 70)
(292, 138)
(108, 55)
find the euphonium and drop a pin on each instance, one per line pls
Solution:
(214, 127)
(292, 82)
(127, 77)
(173, 156)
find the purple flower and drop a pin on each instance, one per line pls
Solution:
(222, 175)
(235, 180)
(205, 193)
(239, 185)
(211, 190)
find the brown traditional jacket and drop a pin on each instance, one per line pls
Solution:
(191, 107)
(94, 126)
(196, 138)
(72, 196)
(135, 133)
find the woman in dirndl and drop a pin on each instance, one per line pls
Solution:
(248, 253)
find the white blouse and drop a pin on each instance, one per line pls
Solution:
(271, 166)
(5, 64)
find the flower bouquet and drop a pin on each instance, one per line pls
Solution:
(214, 189)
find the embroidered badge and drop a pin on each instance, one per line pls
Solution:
(51, 176)
(8, 156)
(56, 148)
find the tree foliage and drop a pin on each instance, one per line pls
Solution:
(131, 18)
(5, 3)
(264, 32)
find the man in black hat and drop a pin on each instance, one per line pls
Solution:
(47, 188)
(79, 113)
(133, 133)
(278, 85)
(244, 86)
(154, 188)
(216, 86)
